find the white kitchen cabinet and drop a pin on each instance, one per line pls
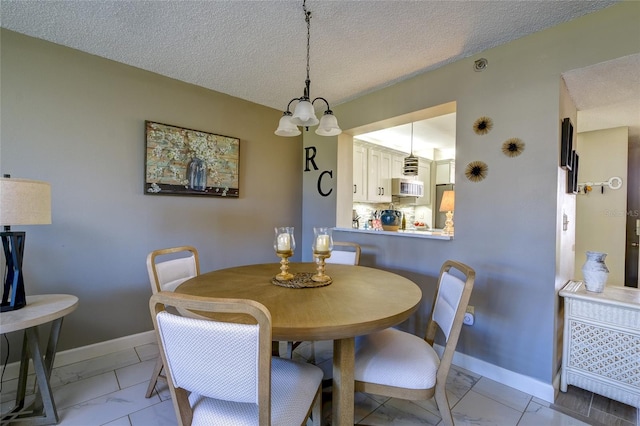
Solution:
(445, 171)
(360, 173)
(397, 163)
(424, 174)
(601, 341)
(379, 177)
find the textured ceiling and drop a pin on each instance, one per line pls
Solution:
(256, 50)
(607, 95)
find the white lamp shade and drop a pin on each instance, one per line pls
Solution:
(24, 202)
(328, 126)
(286, 127)
(304, 115)
(448, 201)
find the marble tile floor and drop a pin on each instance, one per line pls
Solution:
(109, 390)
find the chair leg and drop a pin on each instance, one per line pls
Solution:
(154, 377)
(316, 410)
(443, 406)
(291, 346)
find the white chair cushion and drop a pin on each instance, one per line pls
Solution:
(447, 301)
(174, 272)
(172, 285)
(342, 257)
(394, 358)
(293, 388)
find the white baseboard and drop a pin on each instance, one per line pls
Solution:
(544, 391)
(83, 353)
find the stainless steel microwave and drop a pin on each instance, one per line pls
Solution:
(402, 187)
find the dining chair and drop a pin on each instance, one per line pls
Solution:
(397, 364)
(344, 253)
(167, 269)
(222, 373)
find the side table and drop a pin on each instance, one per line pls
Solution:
(601, 348)
(40, 310)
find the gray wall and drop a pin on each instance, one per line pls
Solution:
(77, 121)
(509, 226)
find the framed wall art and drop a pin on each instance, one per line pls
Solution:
(572, 175)
(566, 144)
(181, 161)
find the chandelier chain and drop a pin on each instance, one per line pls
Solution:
(304, 114)
(307, 18)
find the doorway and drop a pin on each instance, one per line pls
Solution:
(607, 96)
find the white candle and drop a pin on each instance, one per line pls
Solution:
(284, 242)
(322, 243)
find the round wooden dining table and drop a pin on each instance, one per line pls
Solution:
(360, 300)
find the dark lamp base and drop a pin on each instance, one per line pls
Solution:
(13, 296)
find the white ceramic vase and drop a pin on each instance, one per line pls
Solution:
(595, 272)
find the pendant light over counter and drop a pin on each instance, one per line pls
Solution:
(410, 167)
(304, 114)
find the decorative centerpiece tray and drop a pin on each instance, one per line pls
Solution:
(300, 280)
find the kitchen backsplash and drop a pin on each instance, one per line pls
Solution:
(365, 213)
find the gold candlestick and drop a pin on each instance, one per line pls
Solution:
(320, 276)
(284, 274)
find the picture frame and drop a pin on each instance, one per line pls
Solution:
(566, 144)
(572, 175)
(181, 161)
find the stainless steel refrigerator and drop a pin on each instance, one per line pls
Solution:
(440, 217)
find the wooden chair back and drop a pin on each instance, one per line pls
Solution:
(183, 263)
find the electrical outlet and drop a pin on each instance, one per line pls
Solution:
(469, 316)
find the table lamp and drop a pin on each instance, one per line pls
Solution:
(447, 205)
(22, 202)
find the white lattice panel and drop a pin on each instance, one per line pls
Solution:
(608, 353)
(601, 350)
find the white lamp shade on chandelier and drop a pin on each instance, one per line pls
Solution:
(304, 114)
(287, 127)
(328, 125)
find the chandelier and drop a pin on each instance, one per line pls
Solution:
(410, 167)
(304, 114)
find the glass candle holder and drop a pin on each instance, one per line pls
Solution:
(284, 244)
(322, 246)
(322, 240)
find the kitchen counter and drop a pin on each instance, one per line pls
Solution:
(410, 233)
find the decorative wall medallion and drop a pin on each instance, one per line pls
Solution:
(483, 125)
(512, 147)
(476, 171)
